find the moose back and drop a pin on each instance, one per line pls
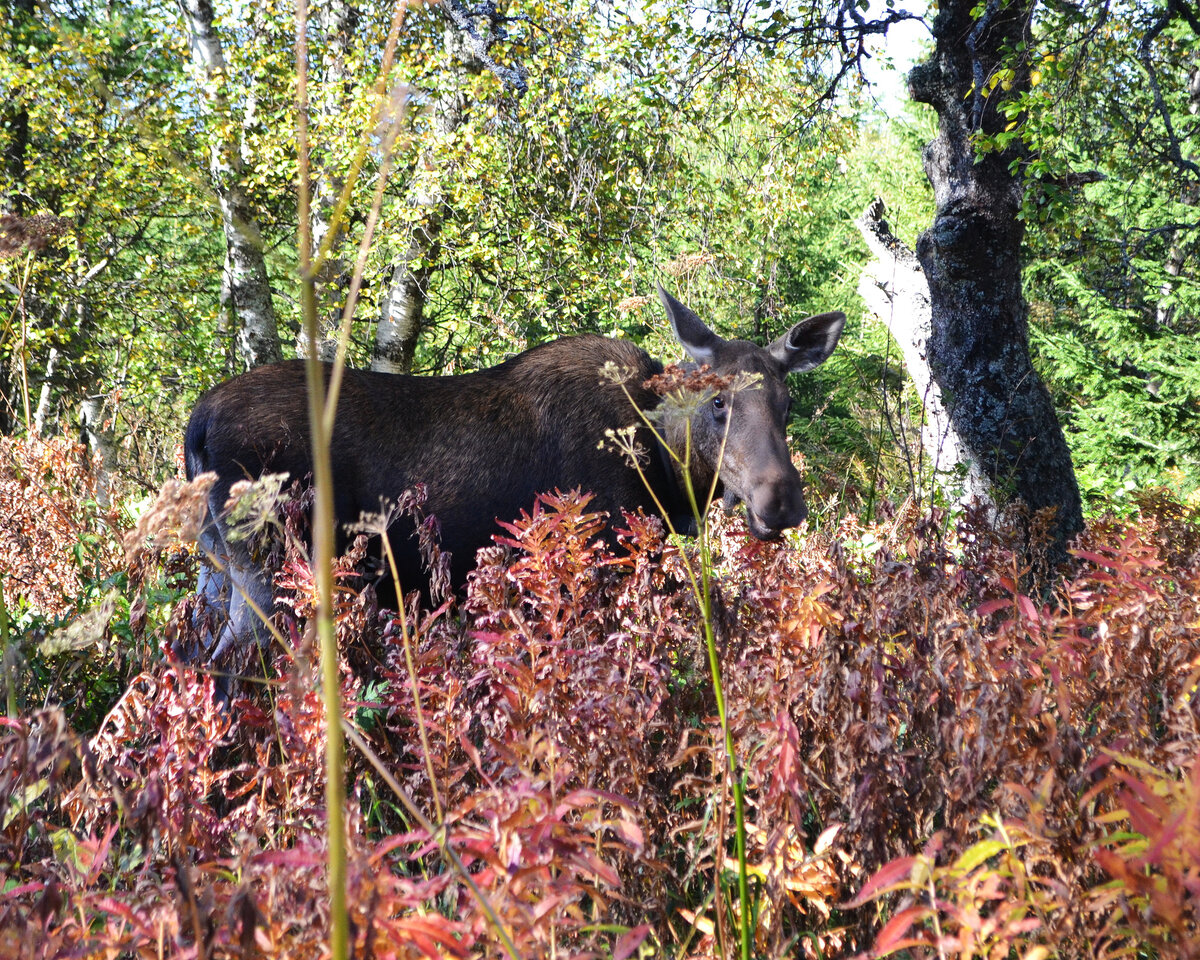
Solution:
(485, 444)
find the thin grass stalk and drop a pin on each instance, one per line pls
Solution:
(338, 367)
(682, 950)
(322, 529)
(703, 595)
(412, 678)
(360, 153)
(714, 664)
(387, 148)
(8, 657)
(439, 832)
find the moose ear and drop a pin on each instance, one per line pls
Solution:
(700, 342)
(809, 343)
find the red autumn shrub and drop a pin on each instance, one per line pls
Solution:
(935, 759)
(54, 536)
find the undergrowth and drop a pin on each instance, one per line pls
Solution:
(938, 759)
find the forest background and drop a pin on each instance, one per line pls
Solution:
(488, 178)
(659, 144)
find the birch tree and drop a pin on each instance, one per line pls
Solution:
(256, 335)
(894, 288)
(402, 307)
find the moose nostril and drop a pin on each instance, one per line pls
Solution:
(783, 508)
(797, 510)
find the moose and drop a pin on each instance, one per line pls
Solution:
(485, 444)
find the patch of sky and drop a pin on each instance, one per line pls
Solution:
(892, 55)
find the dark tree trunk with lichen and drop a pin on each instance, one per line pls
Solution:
(978, 349)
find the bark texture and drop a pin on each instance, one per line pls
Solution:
(95, 417)
(978, 347)
(96, 425)
(42, 415)
(402, 312)
(257, 333)
(895, 290)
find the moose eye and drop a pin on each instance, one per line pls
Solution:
(718, 404)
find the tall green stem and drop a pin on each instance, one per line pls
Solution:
(323, 529)
(714, 665)
(7, 657)
(703, 593)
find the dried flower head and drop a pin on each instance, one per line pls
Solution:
(29, 233)
(616, 373)
(411, 504)
(176, 515)
(252, 508)
(685, 389)
(678, 377)
(689, 263)
(630, 304)
(624, 442)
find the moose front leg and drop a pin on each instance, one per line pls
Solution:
(235, 601)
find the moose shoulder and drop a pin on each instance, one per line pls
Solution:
(485, 444)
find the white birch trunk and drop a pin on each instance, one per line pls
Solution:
(42, 414)
(257, 332)
(894, 288)
(401, 315)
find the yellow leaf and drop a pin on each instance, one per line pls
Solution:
(977, 854)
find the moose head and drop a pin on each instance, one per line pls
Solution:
(740, 432)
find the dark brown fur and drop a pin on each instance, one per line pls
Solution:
(484, 444)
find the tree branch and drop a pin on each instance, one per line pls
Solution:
(1175, 152)
(480, 45)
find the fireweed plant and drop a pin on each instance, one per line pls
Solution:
(936, 761)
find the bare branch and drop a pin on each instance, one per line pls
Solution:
(1188, 13)
(1174, 151)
